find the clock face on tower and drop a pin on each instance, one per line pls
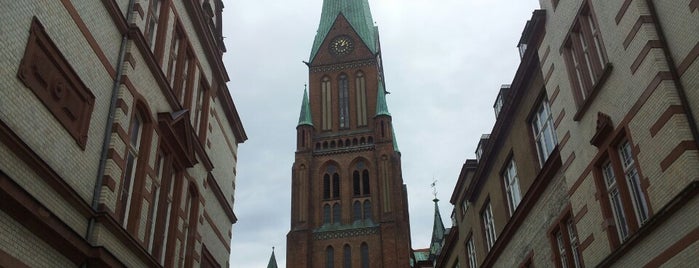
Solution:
(341, 45)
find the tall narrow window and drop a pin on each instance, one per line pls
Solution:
(544, 134)
(633, 181)
(514, 196)
(187, 73)
(621, 172)
(356, 183)
(574, 243)
(367, 210)
(365, 255)
(152, 22)
(337, 214)
(360, 85)
(361, 185)
(347, 257)
(336, 186)
(343, 86)
(326, 186)
(200, 108)
(615, 200)
(326, 214)
(365, 182)
(488, 226)
(129, 175)
(329, 257)
(331, 183)
(471, 253)
(356, 211)
(156, 189)
(584, 54)
(174, 55)
(326, 95)
(190, 226)
(565, 244)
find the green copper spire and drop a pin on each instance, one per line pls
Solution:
(438, 231)
(381, 106)
(358, 14)
(305, 116)
(272, 261)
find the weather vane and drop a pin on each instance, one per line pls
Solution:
(434, 187)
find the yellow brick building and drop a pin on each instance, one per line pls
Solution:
(619, 183)
(118, 136)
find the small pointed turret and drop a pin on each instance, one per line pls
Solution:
(272, 261)
(437, 232)
(381, 105)
(305, 116)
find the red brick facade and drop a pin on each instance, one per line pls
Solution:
(352, 152)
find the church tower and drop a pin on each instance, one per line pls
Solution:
(349, 204)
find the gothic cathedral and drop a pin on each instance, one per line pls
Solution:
(349, 204)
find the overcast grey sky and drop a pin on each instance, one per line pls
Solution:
(444, 62)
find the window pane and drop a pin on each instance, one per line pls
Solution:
(367, 210)
(365, 255)
(337, 214)
(326, 214)
(365, 182)
(355, 183)
(357, 211)
(329, 257)
(326, 186)
(336, 186)
(347, 257)
(561, 249)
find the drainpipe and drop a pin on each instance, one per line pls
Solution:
(673, 71)
(110, 121)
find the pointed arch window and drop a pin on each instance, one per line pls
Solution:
(356, 183)
(365, 182)
(347, 257)
(365, 255)
(326, 186)
(336, 186)
(326, 214)
(331, 183)
(326, 101)
(360, 86)
(343, 85)
(367, 210)
(357, 211)
(360, 183)
(329, 257)
(337, 213)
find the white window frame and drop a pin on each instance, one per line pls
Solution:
(633, 181)
(544, 132)
(489, 226)
(512, 189)
(471, 252)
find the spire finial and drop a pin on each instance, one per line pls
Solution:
(434, 188)
(272, 249)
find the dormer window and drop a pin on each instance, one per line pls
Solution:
(500, 100)
(481, 146)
